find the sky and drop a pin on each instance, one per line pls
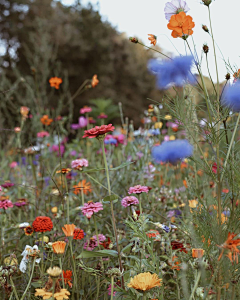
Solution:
(142, 17)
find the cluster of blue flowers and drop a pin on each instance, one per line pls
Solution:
(172, 151)
(175, 71)
(231, 97)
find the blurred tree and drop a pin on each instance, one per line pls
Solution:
(46, 38)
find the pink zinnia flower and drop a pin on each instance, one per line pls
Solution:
(42, 134)
(79, 163)
(6, 204)
(129, 200)
(85, 109)
(102, 116)
(91, 207)
(13, 164)
(138, 189)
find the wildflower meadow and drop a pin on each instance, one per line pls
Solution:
(97, 207)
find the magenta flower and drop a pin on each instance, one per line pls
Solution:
(42, 134)
(0, 188)
(102, 116)
(55, 148)
(82, 122)
(91, 207)
(109, 290)
(129, 200)
(138, 189)
(101, 237)
(13, 164)
(79, 163)
(85, 110)
(92, 243)
(6, 204)
(20, 203)
(7, 184)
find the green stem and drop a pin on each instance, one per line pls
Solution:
(14, 288)
(233, 292)
(154, 50)
(30, 279)
(196, 285)
(60, 264)
(140, 204)
(67, 198)
(95, 224)
(74, 269)
(112, 286)
(82, 193)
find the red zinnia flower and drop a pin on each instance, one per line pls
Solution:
(78, 234)
(178, 246)
(42, 224)
(98, 130)
(67, 276)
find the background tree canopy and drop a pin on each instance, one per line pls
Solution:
(43, 38)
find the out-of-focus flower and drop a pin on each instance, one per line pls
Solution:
(102, 116)
(55, 82)
(176, 71)
(21, 202)
(145, 281)
(197, 252)
(82, 185)
(138, 189)
(5, 204)
(176, 245)
(85, 109)
(45, 120)
(154, 234)
(17, 129)
(13, 164)
(24, 110)
(42, 224)
(91, 207)
(67, 277)
(82, 122)
(27, 254)
(231, 97)
(93, 243)
(7, 184)
(68, 229)
(63, 171)
(172, 151)
(231, 245)
(78, 234)
(175, 263)
(95, 81)
(98, 130)
(181, 25)
(175, 7)
(107, 244)
(59, 247)
(55, 148)
(79, 163)
(129, 200)
(23, 225)
(29, 230)
(42, 134)
(153, 39)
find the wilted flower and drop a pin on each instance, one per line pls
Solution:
(24, 110)
(153, 39)
(27, 253)
(175, 7)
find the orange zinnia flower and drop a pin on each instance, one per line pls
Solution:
(45, 120)
(95, 81)
(153, 39)
(67, 276)
(86, 186)
(55, 82)
(181, 25)
(197, 252)
(175, 263)
(64, 171)
(231, 245)
(68, 229)
(59, 247)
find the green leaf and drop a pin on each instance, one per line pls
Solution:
(110, 198)
(121, 166)
(93, 170)
(100, 253)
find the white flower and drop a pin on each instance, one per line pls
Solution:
(27, 253)
(174, 7)
(23, 225)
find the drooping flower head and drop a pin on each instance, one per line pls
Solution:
(231, 97)
(42, 224)
(176, 71)
(138, 189)
(129, 200)
(91, 207)
(98, 130)
(145, 281)
(181, 25)
(175, 7)
(172, 151)
(79, 163)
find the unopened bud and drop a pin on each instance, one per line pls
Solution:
(204, 27)
(205, 48)
(133, 40)
(227, 76)
(207, 2)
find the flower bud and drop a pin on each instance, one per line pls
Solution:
(204, 27)
(205, 49)
(207, 2)
(133, 40)
(227, 76)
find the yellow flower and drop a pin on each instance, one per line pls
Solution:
(168, 117)
(43, 293)
(192, 203)
(172, 138)
(68, 229)
(145, 281)
(54, 272)
(54, 210)
(158, 125)
(10, 261)
(63, 294)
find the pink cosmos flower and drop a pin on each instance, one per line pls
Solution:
(13, 164)
(85, 109)
(6, 204)
(175, 7)
(91, 207)
(42, 134)
(129, 200)
(79, 163)
(138, 189)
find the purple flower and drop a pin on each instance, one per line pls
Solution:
(139, 154)
(172, 151)
(174, 7)
(175, 71)
(20, 203)
(82, 122)
(7, 184)
(231, 97)
(129, 200)
(101, 237)
(73, 153)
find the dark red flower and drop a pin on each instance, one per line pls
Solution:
(98, 130)
(42, 224)
(178, 246)
(78, 234)
(106, 244)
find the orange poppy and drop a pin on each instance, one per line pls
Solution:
(153, 39)
(95, 81)
(181, 25)
(55, 82)
(231, 245)
(59, 247)
(82, 185)
(68, 229)
(45, 120)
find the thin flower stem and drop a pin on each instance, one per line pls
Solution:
(95, 224)
(30, 279)
(82, 193)
(155, 50)
(60, 264)
(74, 268)
(112, 210)
(233, 292)
(67, 198)
(112, 286)
(14, 288)
(196, 285)
(140, 204)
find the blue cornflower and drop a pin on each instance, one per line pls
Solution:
(231, 97)
(172, 151)
(110, 141)
(175, 71)
(154, 131)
